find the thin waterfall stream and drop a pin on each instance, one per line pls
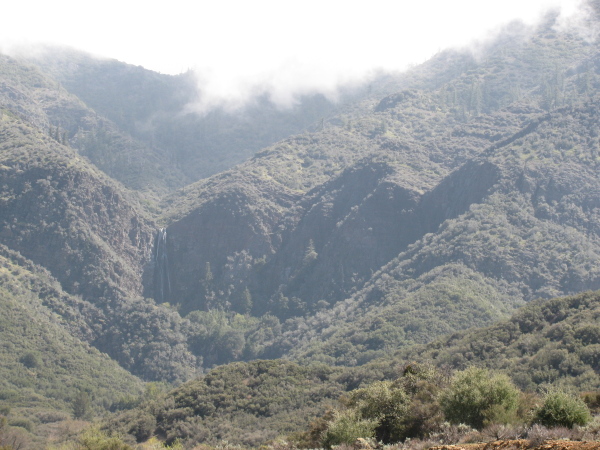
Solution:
(162, 281)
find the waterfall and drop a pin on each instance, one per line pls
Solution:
(162, 282)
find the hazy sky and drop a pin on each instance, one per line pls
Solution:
(283, 45)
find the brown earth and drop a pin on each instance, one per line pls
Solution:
(524, 444)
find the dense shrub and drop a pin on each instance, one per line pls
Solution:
(144, 427)
(94, 439)
(22, 423)
(477, 397)
(13, 437)
(562, 409)
(347, 426)
(386, 403)
(81, 405)
(404, 408)
(31, 360)
(423, 415)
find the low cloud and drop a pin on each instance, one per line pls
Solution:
(329, 48)
(283, 85)
(240, 50)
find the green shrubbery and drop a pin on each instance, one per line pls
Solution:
(390, 411)
(347, 426)
(424, 403)
(477, 397)
(384, 402)
(95, 439)
(562, 409)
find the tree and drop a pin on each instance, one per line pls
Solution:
(384, 401)
(404, 408)
(310, 255)
(423, 384)
(208, 276)
(31, 360)
(246, 303)
(81, 405)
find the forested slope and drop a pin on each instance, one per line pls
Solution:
(49, 371)
(170, 115)
(546, 342)
(460, 189)
(462, 196)
(64, 214)
(43, 103)
(533, 235)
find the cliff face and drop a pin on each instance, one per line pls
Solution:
(320, 248)
(342, 231)
(218, 246)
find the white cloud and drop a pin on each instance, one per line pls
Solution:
(240, 46)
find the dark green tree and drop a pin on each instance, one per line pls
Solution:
(82, 405)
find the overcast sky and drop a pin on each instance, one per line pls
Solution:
(285, 45)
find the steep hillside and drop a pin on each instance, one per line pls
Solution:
(533, 235)
(424, 212)
(64, 214)
(166, 111)
(49, 372)
(42, 102)
(336, 190)
(546, 342)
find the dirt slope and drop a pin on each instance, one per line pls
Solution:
(524, 444)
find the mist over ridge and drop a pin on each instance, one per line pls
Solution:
(240, 52)
(347, 58)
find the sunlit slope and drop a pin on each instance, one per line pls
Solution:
(45, 360)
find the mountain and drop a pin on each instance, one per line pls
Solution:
(167, 115)
(416, 201)
(42, 102)
(62, 213)
(436, 208)
(170, 242)
(93, 235)
(532, 236)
